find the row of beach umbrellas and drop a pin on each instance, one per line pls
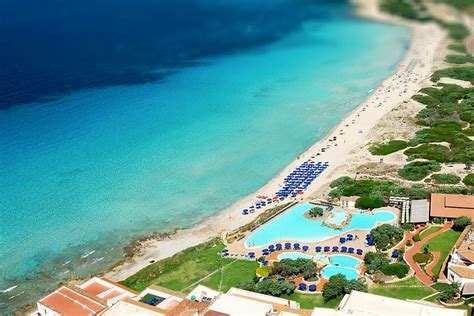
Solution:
(293, 185)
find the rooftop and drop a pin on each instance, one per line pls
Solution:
(452, 205)
(365, 304)
(419, 211)
(73, 301)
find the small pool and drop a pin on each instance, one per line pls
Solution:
(349, 273)
(293, 255)
(292, 225)
(344, 261)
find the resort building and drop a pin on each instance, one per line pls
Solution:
(461, 264)
(203, 301)
(365, 304)
(348, 202)
(451, 206)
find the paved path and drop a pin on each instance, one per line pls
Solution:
(416, 248)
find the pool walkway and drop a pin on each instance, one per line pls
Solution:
(424, 277)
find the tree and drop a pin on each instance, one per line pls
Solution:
(461, 222)
(338, 285)
(386, 234)
(369, 201)
(275, 288)
(316, 212)
(374, 261)
(290, 268)
(355, 285)
(247, 285)
(263, 271)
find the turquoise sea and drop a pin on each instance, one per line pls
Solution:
(90, 165)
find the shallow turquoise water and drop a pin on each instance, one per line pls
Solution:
(293, 255)
(349, 273)
(87, 172)
(338, 217)
(344, 261)
(292, 225)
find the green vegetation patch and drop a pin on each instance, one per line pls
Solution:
(435, 152)
(443, 243)
(397, 269)
(310, 301)
(338, 285)
(388, 148)
(459, 48)
(386, 236)
(445, 178)
(423, 258)
(459, 4)
(408, 9)
(418, 170)
(429, 231)
(460, 73)
(469, 179)
(408, 289)
(191, 265)
(459, 59)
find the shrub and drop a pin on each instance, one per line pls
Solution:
(418, 170)
(422, 257)
(438, 220)
(275, 288)
(461, 222)
(388, 148)
(338, 285)
(461, 73)
(409, 243)
(369, 201)
(407, 226)
(459, 48)
(398, 269)
(459, 59)
(445, 178)
(469, 179)
(450, 292)
(416, 237)
(405, 9)
(263, 271)
(316, 212)
(290, 268)
(346, 186)
(386, 234)
(247, 285)
(430, 152)
(374, 260)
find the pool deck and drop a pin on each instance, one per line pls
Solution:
(238, 248)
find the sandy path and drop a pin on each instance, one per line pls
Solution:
(352, 135)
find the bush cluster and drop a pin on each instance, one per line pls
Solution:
(418, 170)
(388, 148)
(445, 178)
(374, 261)
(316, 211)
(291, 268)
(385, 235)
(461, 222)
(338, 285)
(398, 269)
(268, 287)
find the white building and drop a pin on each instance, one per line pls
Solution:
(348, 202)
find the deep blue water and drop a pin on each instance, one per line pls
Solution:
(123, 118)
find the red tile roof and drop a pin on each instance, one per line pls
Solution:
(70, 302)
(451, 205)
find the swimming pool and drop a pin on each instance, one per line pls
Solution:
(345, 265)
(292, 225)
(337, 218)
(293, 255)
(349, 273)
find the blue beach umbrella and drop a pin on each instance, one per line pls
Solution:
(343, 249)
(335, 248)
(302, 286)
(327, 248)
(318, 248)
(312, 288)
(351, 250)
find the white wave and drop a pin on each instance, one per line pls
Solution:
(9, 289)
(87, 254)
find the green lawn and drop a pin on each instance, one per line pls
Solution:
(191, 265)
(310, 301)
(443, 243)
(403, 290)
(429, 231)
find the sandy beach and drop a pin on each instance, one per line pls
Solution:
(353, 134)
